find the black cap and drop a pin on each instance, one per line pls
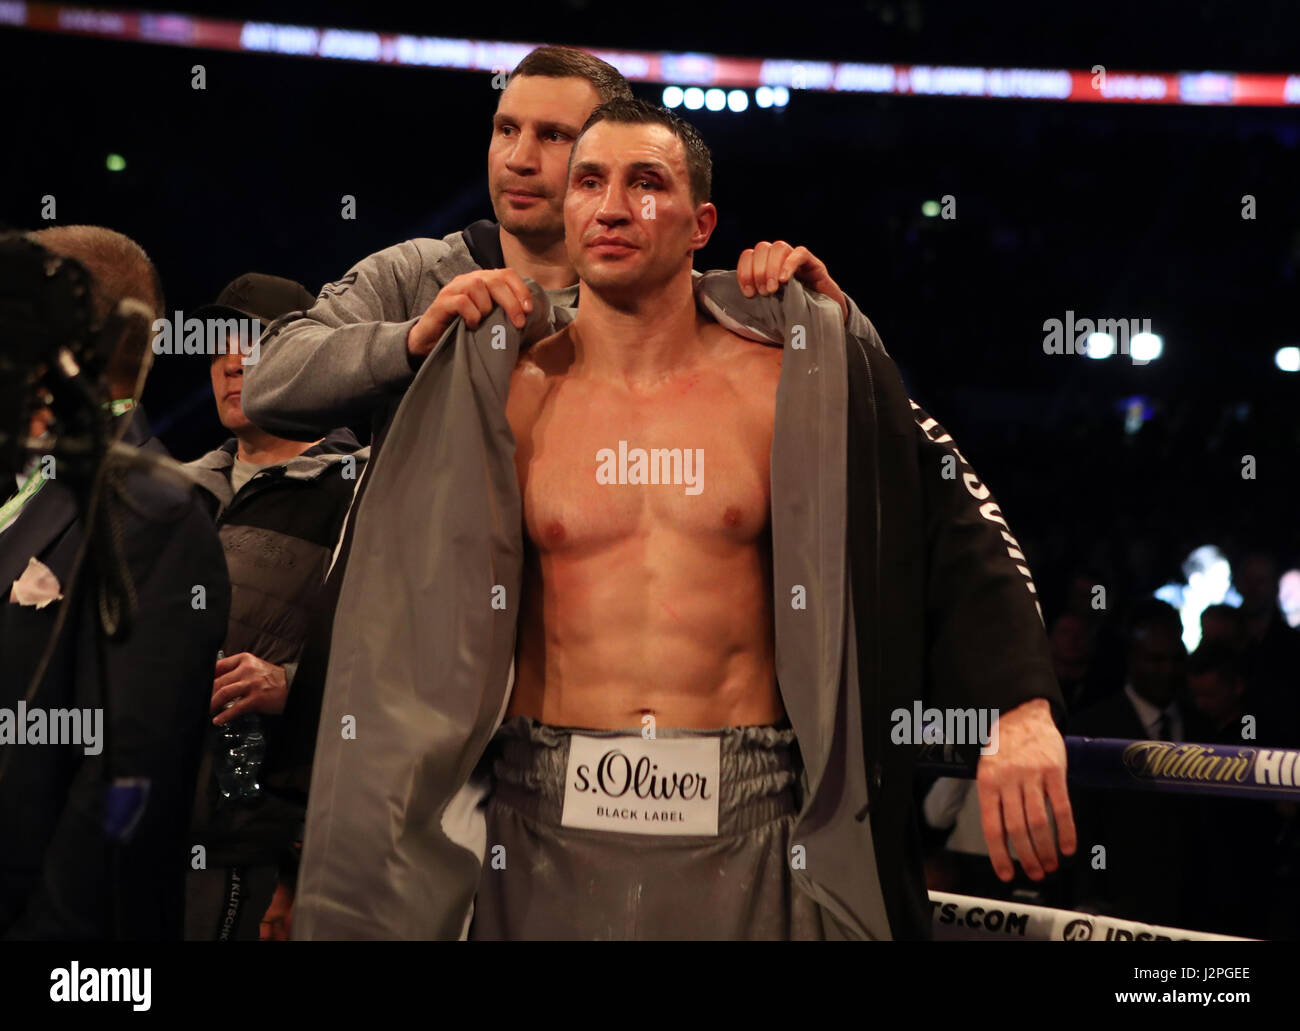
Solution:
(258, 296)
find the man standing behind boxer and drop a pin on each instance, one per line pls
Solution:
(352, 355)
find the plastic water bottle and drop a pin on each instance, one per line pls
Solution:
(239, 761)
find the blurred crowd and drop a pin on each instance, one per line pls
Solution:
(1214, 864)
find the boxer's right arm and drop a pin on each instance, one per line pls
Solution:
(337, 362)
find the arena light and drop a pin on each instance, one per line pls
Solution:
(672, 96)
(715, 99)
(693, 98)
(1099, 345)
(779, 75)
(1288, 596)
(738, 100)
(931, 209)
(1287, 359)
(1146, 347)
(763, 96)
(1209, 582)
(1137, 410)
(115, 163)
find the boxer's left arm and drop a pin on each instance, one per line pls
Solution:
(986, 647)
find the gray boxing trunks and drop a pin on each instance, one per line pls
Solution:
(609, 835)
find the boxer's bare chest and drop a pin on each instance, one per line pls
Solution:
(599, 462)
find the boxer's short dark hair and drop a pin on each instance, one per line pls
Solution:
(570, 62)
(630, 111)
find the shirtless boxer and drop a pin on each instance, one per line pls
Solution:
(643, 600)
(647, 618)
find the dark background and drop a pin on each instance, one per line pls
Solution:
(1113, 211)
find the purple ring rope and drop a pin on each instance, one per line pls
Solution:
(1235, 771)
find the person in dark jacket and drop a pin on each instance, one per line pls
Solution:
(1233, 842)
(62, 874)
(1272, 651)
(279, 506)
(1142, 872)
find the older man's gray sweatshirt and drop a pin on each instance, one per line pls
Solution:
(344, 361)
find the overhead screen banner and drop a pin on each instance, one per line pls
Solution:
(1096, 85)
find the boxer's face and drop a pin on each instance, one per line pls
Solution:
(536, 122)
(629, 219)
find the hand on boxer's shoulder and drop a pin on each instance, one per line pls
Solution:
(1016, 783)
(765, 266)
(470, 296)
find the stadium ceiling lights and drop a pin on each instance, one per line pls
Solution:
(704, 71)
(1143, 348)
(737, 100)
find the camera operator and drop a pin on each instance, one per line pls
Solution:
(79, 861)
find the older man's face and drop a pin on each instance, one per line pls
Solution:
(536, 122)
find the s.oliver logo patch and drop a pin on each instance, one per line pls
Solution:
(642, 786)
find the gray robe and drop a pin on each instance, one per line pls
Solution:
(422, 663)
